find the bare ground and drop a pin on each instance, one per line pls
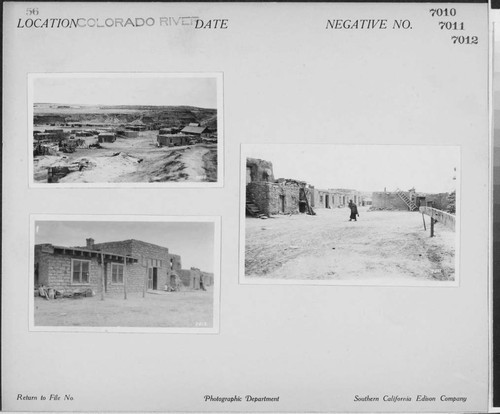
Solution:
(387, 246)
(173, 309)
(135, 160)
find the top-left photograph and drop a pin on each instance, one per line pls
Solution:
(126, 129)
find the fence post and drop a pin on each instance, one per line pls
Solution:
(144, 287)
(432, 226)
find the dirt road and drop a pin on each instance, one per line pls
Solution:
(382, 246)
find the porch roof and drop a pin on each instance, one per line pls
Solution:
(76, 251)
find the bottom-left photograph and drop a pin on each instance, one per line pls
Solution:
(125, 274)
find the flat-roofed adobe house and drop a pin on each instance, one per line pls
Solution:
(106, 137)
(121, 266)
(173, 140)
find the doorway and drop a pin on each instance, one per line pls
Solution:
(327, 201)
(282, 203)
(153, 278)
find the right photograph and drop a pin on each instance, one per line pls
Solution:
(350, 214)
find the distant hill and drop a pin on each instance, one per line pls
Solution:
(173, 116)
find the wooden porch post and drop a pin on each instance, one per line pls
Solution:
(124, 277)
(102, 275)
(144, 287)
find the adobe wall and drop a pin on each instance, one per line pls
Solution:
(59, 273)
(42, 265)
(258, 193)
(175, 262)
(334, 199)
(208, 278)
(439, 200)
(388, 201)
(136, 273)
(185, 275)
(259, 170)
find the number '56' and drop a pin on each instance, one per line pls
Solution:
(32, 12)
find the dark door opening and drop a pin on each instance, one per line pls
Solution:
(302, 206)
(155, 278)
(282, 203)
(327, 202)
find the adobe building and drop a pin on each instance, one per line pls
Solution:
(106, 137)
(408, 200)
(196, 131)
(192, 278)
(344, 195)
(267, 196)
(173, 140)
(128, 265)
(328, 199)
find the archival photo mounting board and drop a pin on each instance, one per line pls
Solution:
(221, 207)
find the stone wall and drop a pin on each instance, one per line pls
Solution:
(275, 198)
(290, 192)
(258, 193)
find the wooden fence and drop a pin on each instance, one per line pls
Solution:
(446, 219)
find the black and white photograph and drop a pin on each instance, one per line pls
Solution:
(126, 129)
(208, 205)
(350, 214)
(125, 274)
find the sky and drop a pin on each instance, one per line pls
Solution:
(193, 241)
(131, 90)
(430, 169)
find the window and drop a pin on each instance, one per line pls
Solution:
(80, 271)
(154, 263)
(116, 273)
(171, 263)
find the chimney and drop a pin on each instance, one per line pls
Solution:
(90, 244)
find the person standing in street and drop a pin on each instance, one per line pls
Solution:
(354, 211)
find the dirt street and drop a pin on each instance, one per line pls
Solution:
(382, 246)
